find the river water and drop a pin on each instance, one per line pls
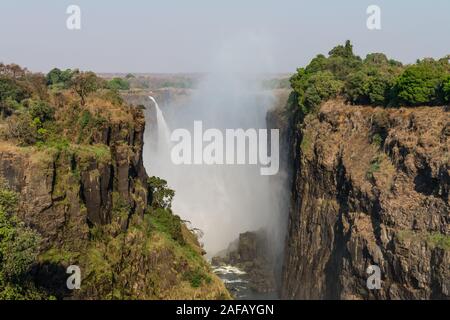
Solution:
(236, 282)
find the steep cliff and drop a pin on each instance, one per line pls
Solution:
(65, 188)
(77, 169)
(370, 187)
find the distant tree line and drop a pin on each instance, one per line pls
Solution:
(29, 101)
(375, 80)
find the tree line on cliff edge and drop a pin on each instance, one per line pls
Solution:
(29, 102)
(373, 81)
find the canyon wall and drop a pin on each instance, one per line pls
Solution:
(92, 204)
(66, 189)
(370, 186)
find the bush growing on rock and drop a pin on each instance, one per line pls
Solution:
(22, 128)
(375, 81)
(162, 195)
(371, 85)
(18, 251)
(419, 84)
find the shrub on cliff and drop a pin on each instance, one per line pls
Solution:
(419, 84)
(18, 251)
(22, 128)
(314, 88)
(323, 78)
(162, 196)
(321, 86)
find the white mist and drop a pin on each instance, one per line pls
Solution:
(223, 200)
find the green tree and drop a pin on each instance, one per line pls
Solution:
(162, 196)
(59, 78)
(84, 83)
(446, 89)
(118, 84)
(376, 59)
(372, 84)
(41, 110)
(18, 250)
(344, 51)
(321, 86)
(419, 84)
(10, 91)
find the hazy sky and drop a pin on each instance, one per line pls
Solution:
(186, 35)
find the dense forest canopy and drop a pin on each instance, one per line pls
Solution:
(375, 80)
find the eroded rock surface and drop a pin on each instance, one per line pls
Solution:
(250, 253)
(370, 187)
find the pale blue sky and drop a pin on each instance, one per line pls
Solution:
(185, 35)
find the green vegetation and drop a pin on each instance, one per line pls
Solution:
(377, 140)
(39, 110)
(162, 196)
(306, 143)
(164, 221)
(85, 83)
(375, 81)
(18, 251)
(374, 167)
(433, 239)
(64, 121)
(160, 81)
(58, 79)
(118, 84)
(197, 277)
(446, 89)
(422, 83)
(439, 240)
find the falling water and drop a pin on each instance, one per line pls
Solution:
(222, 201)
(158, 165)
(163, 128)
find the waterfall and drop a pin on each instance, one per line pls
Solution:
(163, 144)
(157, 152)
(220, 200)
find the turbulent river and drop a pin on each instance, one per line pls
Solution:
(236, 283)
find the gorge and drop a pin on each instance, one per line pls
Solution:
(363, 181)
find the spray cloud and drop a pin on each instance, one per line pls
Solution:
(223, 200)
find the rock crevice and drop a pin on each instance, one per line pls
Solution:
(370, 187)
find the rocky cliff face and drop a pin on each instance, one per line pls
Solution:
(250, 253)
(92, 204)
(370, 187)
(64, 190)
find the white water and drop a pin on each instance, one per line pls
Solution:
(161, 146)
(221, 200)
(163, 129)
